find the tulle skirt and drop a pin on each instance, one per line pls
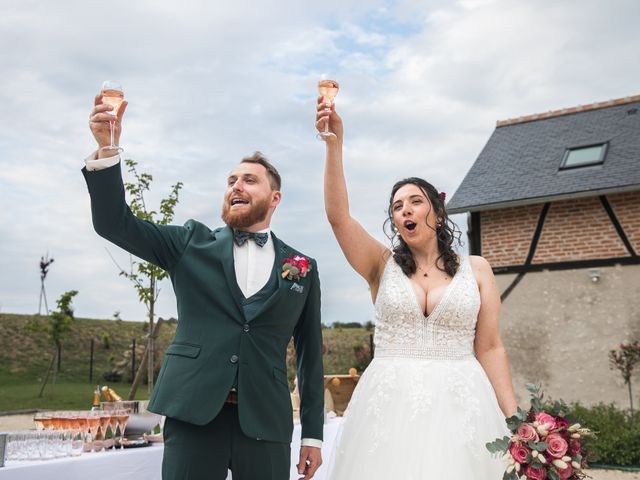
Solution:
(419, 419)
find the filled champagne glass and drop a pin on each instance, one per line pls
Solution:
(93, 423)
(328, 89)
(39, 420)
(113, 95)
(122, 417)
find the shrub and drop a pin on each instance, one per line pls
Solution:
(363, 356)
(105, 337)
(618, 434)
(339, 325)
(112, 376)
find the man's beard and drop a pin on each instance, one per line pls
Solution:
(257, 213)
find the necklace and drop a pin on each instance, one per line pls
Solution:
(425, 273)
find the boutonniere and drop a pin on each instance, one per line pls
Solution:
(295, 267)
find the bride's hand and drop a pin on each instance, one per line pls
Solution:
(326, 112)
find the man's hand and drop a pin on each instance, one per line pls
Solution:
(99, 120)
(326, 113)
(310, 460)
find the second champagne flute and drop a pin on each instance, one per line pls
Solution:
(113, 95)
(328, 89)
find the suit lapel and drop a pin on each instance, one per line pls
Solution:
(224, 242)
(281, 253)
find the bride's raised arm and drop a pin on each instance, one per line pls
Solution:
(365, 254)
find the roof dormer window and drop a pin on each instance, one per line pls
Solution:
(584, 156)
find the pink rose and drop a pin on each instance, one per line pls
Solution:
(556, 445)
(574, 447)
(535, 473)
(519, 452)
(527, 433)
(561, 423)
(565, 473)
(545, 418)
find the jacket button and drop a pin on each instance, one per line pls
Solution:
(234, 359)
(246, 327)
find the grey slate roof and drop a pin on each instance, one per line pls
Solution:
(520, 162)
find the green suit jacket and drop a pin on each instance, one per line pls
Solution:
(214, 341)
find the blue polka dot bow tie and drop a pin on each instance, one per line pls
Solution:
(241, 237)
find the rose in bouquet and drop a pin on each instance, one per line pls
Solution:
(543, 444)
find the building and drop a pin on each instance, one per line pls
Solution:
(553, 203)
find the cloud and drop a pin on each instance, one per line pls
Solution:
(422, 84)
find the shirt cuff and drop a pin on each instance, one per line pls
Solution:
(94, 163)
(311, 442)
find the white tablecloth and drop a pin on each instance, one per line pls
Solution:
(137, 463)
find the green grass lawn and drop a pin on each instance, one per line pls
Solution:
(62, 396)
(25, 354)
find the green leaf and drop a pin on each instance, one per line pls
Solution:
(552, 474)
(539, 446)
(532, 388)
(514, 422)
(510, 476)
(499, 445)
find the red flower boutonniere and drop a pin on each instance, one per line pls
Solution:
(295, 267)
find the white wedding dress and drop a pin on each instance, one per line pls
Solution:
(424, 408)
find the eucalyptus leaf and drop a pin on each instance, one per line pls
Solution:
(539, 446)
(514, 422)
(500, 445)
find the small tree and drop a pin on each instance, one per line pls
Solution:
(624, 359)
(58, 324)
(144, 275)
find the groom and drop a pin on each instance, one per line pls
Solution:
(223, 385)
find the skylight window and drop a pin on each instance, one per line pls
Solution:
(584, 156)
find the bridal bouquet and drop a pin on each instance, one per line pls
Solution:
(542, 444)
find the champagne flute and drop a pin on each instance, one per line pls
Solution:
(113, 95)
(93, 423)
(123, 418)
(328, 89)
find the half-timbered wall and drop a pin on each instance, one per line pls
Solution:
(576, 229)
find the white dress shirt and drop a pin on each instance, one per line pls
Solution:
(253, 264)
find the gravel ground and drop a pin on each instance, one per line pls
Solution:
(20, 422)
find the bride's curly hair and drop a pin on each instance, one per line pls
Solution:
(447, 232)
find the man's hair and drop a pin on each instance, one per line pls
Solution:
(272, 173)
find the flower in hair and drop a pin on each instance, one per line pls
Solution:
(443, 196)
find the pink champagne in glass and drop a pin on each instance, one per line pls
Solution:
(123, 418)
(114, 98)
(328, 89)
(113, 95)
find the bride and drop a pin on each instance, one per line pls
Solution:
(439, 386)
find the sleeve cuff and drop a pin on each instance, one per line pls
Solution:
(311, 442)
(94, 163)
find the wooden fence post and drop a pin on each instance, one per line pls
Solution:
(91, 363)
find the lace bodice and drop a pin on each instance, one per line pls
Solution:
(402, 329)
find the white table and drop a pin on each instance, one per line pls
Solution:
(138, 463)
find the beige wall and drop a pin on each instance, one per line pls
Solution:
(558, 327)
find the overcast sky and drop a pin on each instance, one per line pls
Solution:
(208, 82)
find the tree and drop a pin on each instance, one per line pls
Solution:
(58, 324)
(146, 276)
(624, 359)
